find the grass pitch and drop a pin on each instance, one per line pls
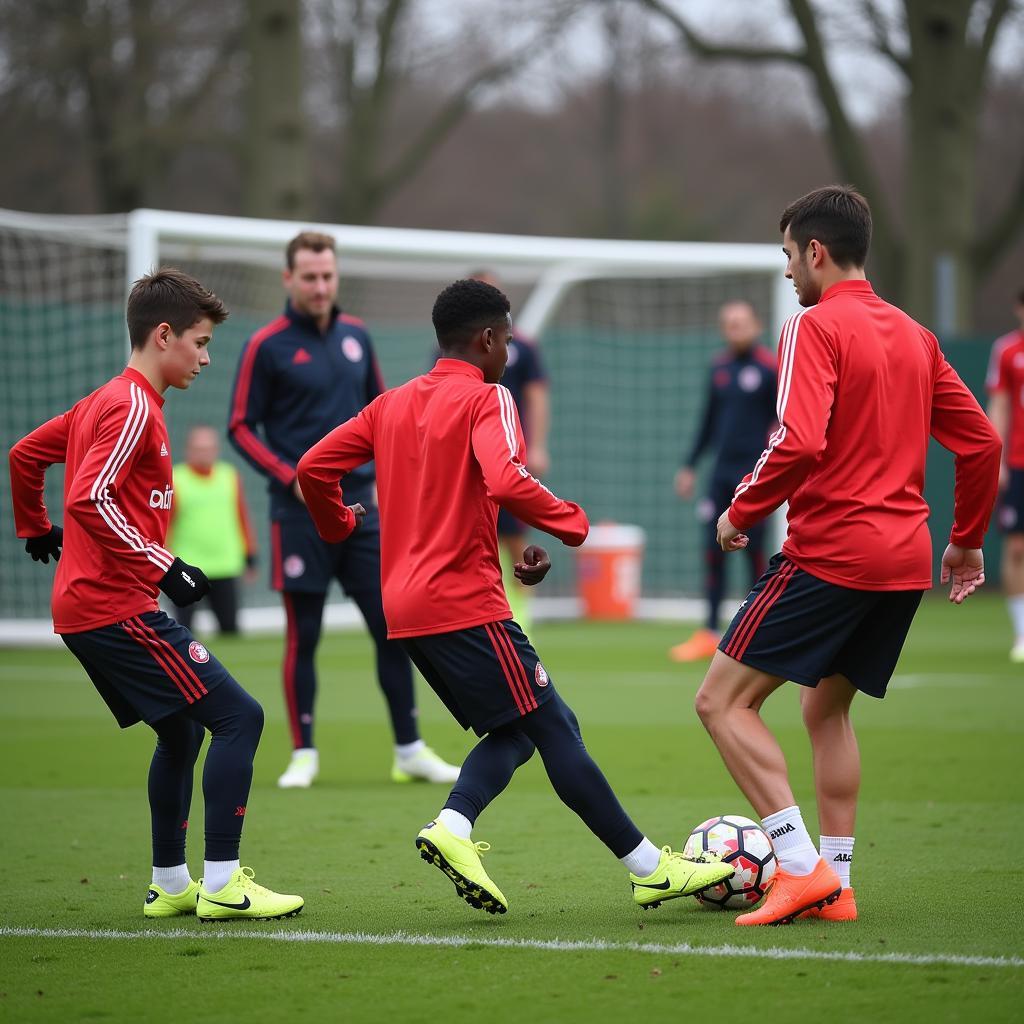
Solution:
(938, 865)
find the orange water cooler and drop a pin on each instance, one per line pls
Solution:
(609, 566)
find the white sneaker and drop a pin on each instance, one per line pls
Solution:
(423, 766)
(1017, 652)
(302, 769)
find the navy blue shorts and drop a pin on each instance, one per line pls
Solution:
(302, 562)
(487, 676)
(146, 667)
(794, 625)
(1011, 504)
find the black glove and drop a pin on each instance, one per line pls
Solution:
(250, 561)
(184, 584)
(40, 548)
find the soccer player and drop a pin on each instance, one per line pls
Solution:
(146, 667)
(449, 451)
(210, 525)
(299, 377)
(861, 387)
(739, 412)
(1005, 385)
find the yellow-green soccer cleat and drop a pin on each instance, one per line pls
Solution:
(243, 900)
(677, 876)
(459, 859)
(162, 904)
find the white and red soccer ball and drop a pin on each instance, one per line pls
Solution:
(742, 843)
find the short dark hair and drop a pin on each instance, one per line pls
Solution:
(1020, 297)
(838, 216)
(464, 308)
(316, 241)
(170, 296)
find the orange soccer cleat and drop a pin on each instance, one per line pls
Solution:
(791, 895)
(844, 909)
(701, 645)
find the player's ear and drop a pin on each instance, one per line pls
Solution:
(162, 333)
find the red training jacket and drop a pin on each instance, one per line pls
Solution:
(861, 388)
(449, 450)
(117, 501)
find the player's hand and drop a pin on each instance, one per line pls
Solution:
(966, 568)
(251, 575)
(359, 512)
(685, 480)
(729, 538)
(534, 566)
(50, 543)
(297, 490)
(184, 584)
(538, 461)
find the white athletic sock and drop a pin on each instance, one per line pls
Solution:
(173, 881)
(458, 824)
(404, 750)
(1016, 606)
(793, 845)
(644, 860)
(217, 874)
(837, 853)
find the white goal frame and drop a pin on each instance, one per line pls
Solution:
(552, 266)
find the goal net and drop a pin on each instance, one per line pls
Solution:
(626, 331)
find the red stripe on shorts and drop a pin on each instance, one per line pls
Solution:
(752, 622)
(190, 676)
(144, 642)
(510, 679)
(517, 664)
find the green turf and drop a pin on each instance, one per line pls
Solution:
(938, 867)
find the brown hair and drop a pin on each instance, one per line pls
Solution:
(316, 241)
(838, 216)
(169, 296)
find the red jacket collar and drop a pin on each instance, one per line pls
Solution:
(847, 288)
(132, 374)
(446, 366)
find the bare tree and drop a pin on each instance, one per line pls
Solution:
(376, 58)
(125, 75)
(942, 49)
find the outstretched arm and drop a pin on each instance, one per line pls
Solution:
(320, 471)
(499, 448)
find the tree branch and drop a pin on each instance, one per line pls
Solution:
(447, 118)
(1000, 8)
(716, 51)
(996, 16)
(881, 38)
(986, 252)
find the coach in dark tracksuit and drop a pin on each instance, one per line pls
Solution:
(739, 414)
(298, 378)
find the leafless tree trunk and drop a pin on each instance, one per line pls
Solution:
(275, 150)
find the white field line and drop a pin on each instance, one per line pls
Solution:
(557, 945)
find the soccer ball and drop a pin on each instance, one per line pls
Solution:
(745, 845)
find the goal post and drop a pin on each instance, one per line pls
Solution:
(626, 330)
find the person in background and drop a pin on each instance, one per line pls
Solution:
(739, 413)
(210, 526)
(1005, 384)
(299, 377)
